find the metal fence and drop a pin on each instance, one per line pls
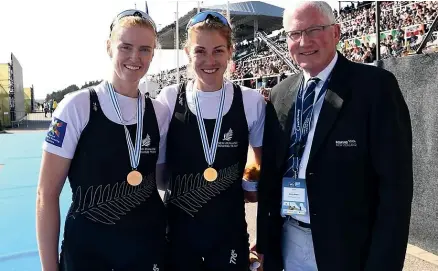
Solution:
(261, 82)
(33, 121)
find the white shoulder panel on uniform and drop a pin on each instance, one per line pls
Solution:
(168, 97)
(255, 108)
(163, 119)
(68, 121)
(253, 101)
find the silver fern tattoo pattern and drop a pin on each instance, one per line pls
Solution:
(191, 192)
(108, 204)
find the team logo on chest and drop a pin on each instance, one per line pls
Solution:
(191, 192)
(146, 146)
(227, 140)
(110, 203)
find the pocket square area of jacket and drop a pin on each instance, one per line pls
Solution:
(334, 99)
(180, 116)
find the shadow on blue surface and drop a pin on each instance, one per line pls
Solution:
(21, 156)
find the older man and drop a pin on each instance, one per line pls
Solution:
(336, 186)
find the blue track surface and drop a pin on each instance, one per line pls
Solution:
(21, 156)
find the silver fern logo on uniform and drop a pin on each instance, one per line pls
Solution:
(228, 135)
(190, 192)
(110, 203)
(156, 268)
(146, 142)
(227, 140)
(145, 146)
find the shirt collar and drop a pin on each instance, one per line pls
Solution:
(191, 87)
(324, 74)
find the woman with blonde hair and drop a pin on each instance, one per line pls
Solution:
(109, 141)
(212, 123)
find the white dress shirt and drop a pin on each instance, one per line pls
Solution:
(323, 76)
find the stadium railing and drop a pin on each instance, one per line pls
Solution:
(372, 38)
(19, 117)
(384, 11)
(241, 81)
(245, 57)
(26, 120)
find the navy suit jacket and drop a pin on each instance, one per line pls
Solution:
(359, 175)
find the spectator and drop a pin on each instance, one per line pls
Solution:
(408, 22)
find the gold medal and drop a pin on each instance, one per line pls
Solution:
(210, 174)
(134, 178)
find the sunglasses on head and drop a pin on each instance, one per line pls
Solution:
(203, 16)
(135, 13)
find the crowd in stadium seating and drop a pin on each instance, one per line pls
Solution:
(409, 19)
(403, 26)
(395, 15)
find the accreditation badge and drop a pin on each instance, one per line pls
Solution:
(293, 197)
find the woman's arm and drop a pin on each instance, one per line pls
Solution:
(257, 155)
(53, 172)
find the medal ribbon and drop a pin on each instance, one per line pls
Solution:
(209, 150)
(134, 151)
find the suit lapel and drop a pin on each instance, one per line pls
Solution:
(286, 116)
(334, 100)
(289, 104)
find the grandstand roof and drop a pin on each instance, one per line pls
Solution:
(242, 15)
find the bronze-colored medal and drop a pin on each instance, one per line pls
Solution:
(134, 178)
(210, 174)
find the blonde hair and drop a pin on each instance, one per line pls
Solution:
(132, 21)
(209, 25)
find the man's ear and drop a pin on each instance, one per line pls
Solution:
(108, 48)
(337, 32)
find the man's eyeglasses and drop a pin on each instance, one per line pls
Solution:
(203, 16)
(135, 13)
(311, 32)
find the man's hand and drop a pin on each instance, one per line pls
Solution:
(256, 259)
(261, 259)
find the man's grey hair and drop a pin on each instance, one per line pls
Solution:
(324, 8)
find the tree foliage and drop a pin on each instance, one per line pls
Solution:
(59, 95)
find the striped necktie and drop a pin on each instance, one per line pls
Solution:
(298, 142)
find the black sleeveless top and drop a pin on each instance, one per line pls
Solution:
(106, 211)
(194, 204)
